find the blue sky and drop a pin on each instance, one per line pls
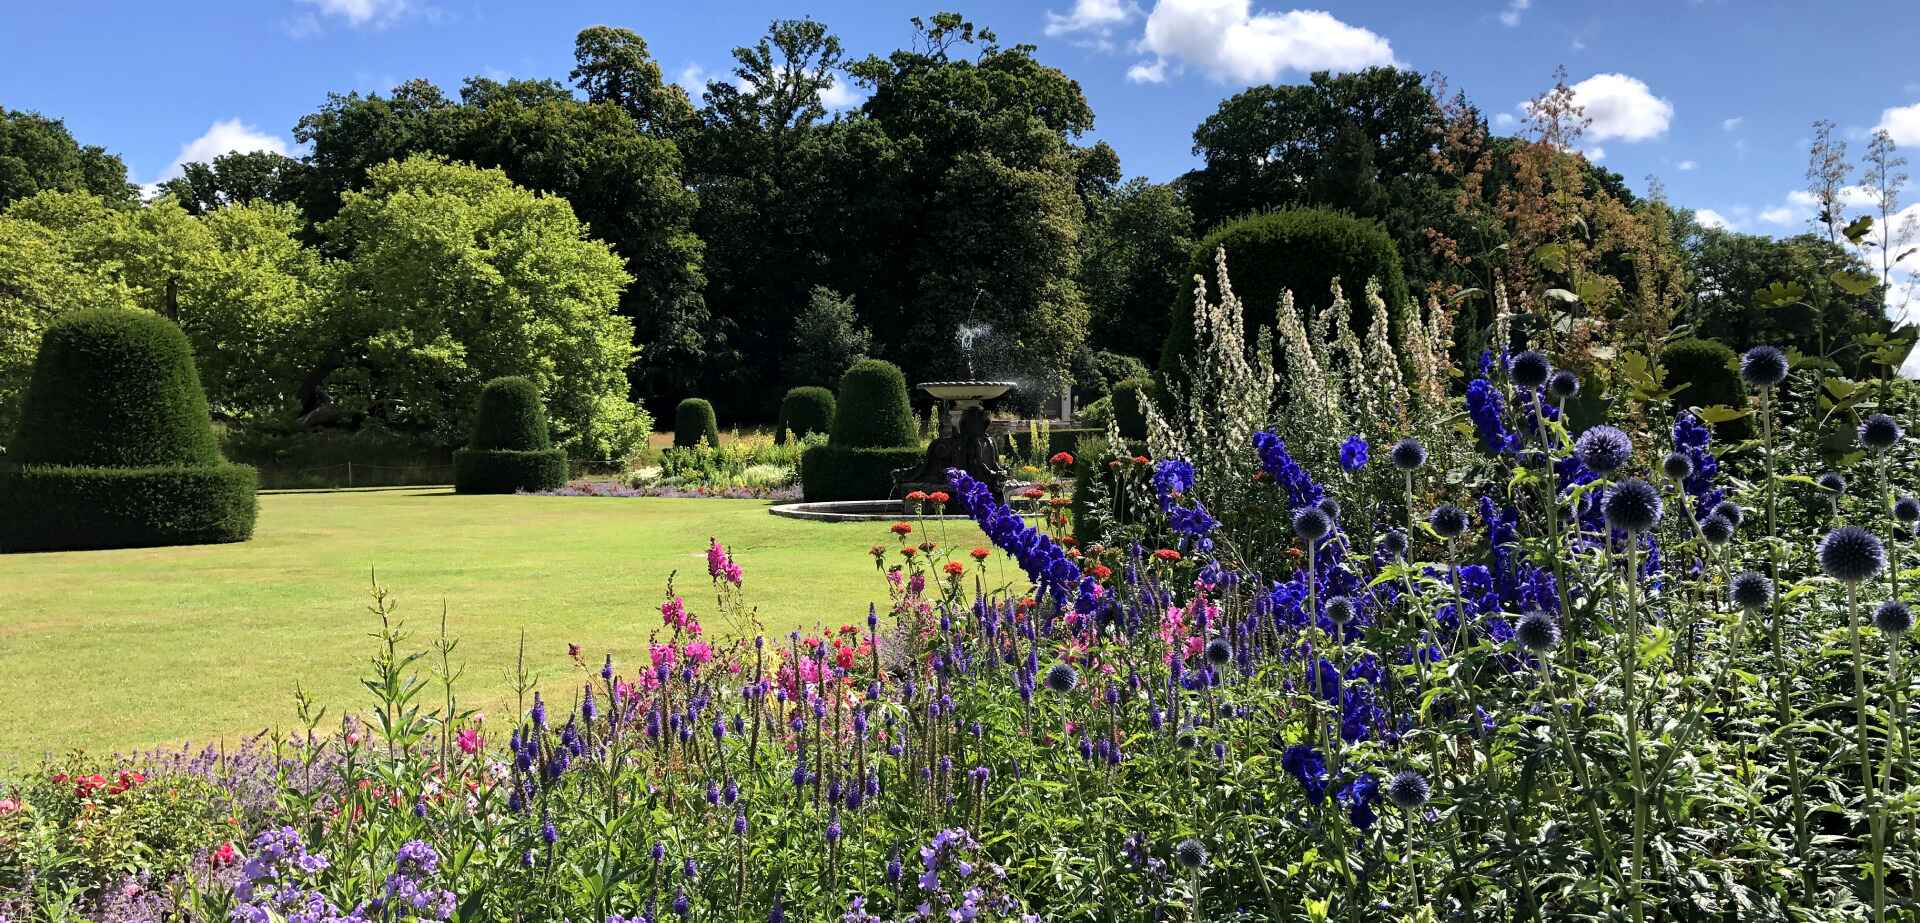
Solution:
(1713, 98)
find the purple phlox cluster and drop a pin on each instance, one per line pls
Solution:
(1488, 411)
(411, 891)
(277, 883)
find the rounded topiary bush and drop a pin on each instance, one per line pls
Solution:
(1706, 374)
(1299, 250)
(115, 447)
(1127, 410)
(693, 423)
(805, 411)
(510, 449)
(873, 409)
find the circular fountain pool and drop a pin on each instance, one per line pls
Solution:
(851, 511)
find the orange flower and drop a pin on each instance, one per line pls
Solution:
(954, 569)
(980, 554)
(1102, 572)
(1033, 493)
(928, 546)
(918, 496)
(1063, 459)
(877, 551)
(908, 552)
(1167, 554)
(939, 497)
(903, 528)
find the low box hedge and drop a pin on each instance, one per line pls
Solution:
(505, 471)
(830, 472)
(62, 508)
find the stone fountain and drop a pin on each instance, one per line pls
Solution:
(964, 441)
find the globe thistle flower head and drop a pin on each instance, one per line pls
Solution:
(1879, 432)
(1851, 554)
(1832, 482)
(1219, 652)
(1537, 632)
(1408, 454)
(1563, 384)
(1751, 590)
(1394, 543)
(1906, 509)
(1603, 449)
(1730, 511)
(1340, 610)
(1331, 507)
(1062, 678)
(1893, 618)
(1677, 466)
(1311, 523)
(1716, 529)
(1409, 790)
(1633, 505)
(1529, 369)
(1448, 520)
(1763, 367)
(1191, 853)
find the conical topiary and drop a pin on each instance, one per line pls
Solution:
(873, 436)
(694, 423)
(510, 449)
(115, 447)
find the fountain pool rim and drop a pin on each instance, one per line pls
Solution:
(852, 511)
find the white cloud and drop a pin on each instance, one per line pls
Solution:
(1733, 124)
(841, 95)
(224, 137)
(1145, 72)
(1902, 123)
(1687, 166)
(1231, 43)
(1595, 154)
(1622, 107)
(358, 13)
(1510, 16)
(1779, 215)
(1504, 120)
(1098, 17)
(1708, 218)
(693, 79)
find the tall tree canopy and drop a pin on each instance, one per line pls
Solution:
(38, 153)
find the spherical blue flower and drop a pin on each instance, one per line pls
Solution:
(1408, 789)
(1763, 367)
(1353, 453)
(1394, 543)
(1879, 432)
(1716, 529)
(1730, 511)
(1832, 482)
(1751, 590)
(1563, 384)
(1893, 618)
(1529, 369)
(1408, 454)
(1851, 554)
(1633, 505)
(1191, 853)
(1331, 507)
(1448, 521)
(1906, 509)
(1340, 610)
(1603, 449)
(1062, 678)
(1219, 652)
(1537, 632)
(1311, 523)
(1677, 466)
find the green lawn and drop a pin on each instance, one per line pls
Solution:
(144, 647)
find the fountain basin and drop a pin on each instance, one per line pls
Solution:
(966, 393)
(854, 511)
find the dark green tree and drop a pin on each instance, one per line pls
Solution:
(236, 178)
(613, 65)
(38, 153)
(1134, 263)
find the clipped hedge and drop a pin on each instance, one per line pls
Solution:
(805, 410)
(114, 388)
(1299, 250)
(505, 471)
(1707, 369)
(1127, 396)
(63, 508)
(873, 409)
(510, 416)
(830, 472)
(694, 422)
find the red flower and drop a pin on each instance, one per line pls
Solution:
(844, 657)
(955, 569)
(928, 546)
(980, 554)
(918, 496)
(1140, 460)
(1063, 459)
(1033, 493)
(939, 497)
(1069, 541)
(1167, 554)
(908, 552)
(1102, 572)
(224, 856)
(903, 528)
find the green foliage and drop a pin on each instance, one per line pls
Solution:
(44, 281)
(505, 471)
(511, 416)
(236, 178)
(833, 472)
(827, 338)
(1301, 251)
(1752, 289)
(1127, 399)
(1134, 254)
(1708, 371)
(38, 153)
(289, 457)
(873, 411)
(59, 508)
(115, 388)
(694, 423)
(1097, 371)
(806, 410)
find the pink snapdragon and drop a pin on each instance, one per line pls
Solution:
(720, 565)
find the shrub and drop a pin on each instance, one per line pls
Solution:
(510, 416)
(873, 409)
(1127, 397)
(505, 471)
(63, 508)
(832, 472)
(115, 446)
(1706, 368)
(808, 409)
(1300, 251)
(115, 388)
(693, 423)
